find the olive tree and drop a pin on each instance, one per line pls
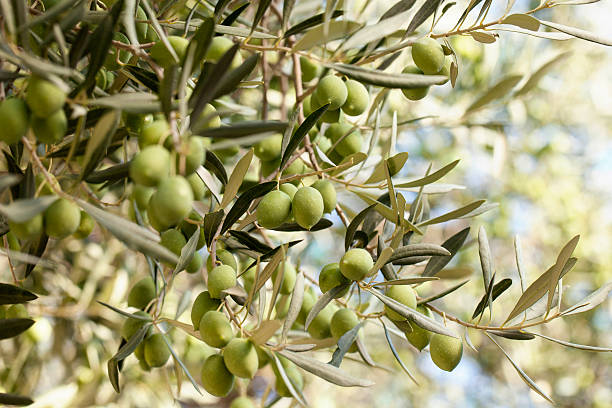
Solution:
(211, 144)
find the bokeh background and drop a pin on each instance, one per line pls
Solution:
(545, 157)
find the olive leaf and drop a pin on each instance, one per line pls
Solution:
(14, 327)
(236, 178)
(387, 80)
(452, 244)
(245, 128)
(591, 301)
(25, 209)
(394, 163)
(211, 225)
(430, 178)
(323, 301)
(307, 23)
(344, 344)
(497, 289)
(265, 330)
(451, 215)
(15, 399)
(316, 35)
(100, 139)
(578, 33)
(396, 354)
(406, 281)
(499, 90)
(10, 294)
(418, 250)
(426, 10)
(300, 133)
(442, 293)
(243, 203)
(354, 224)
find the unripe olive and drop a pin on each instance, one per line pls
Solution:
(357, 99)
(172, 201)
(197, 186)
(202, 304)
(14, 118)
(225, 257)
(331, 116)
(331, 89)
(293, 374)
(328, 192)
(156, 351)
(61, 218)
(310, 69)
(273, 209)
(219, 279)
(297, 167)
(307, 207)
(141, 28)
(240, 358)
(324, 143)
(307, 303)
(142, 194)
(150, 166)
(270, 148)
(152, 217)
(28, 229)
(195, 154)
(215, 329)
(142, 293)
(219, 46)
(445, 351)
(282, 306)
(330, 277)
(262, 357)
(43, 97)
(110, 62)
(307, 105)
(419, 337)
(188, 229)
(350, 144)
(153, 133)
(428, 54)
(320, 326)
(131, 325)
(216, 378)
(208, 119)
(101, 79)
(288, 189)
(162, 55)
(2, 312)
(414, 94)
(86, 226)
(17, 311)
(242, 402)
(174, 240)
(289, 276)
(268, 167)
(356, 263)
(195, 264)
(342, 321)
(405, 295)
(445, 71)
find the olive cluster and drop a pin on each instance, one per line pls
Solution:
(430, 59)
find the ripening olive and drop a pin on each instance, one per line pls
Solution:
(288, 189)
(310, 70)
(61, 218)
(307, 207)
(202, 304)
(331, 116)
(208, 119)
(297, 167)
(225, 257)
(218, 47)
(153, 133)
(28, 229)
(307, 105)
(44, 97)
(419, 337)
(350, 143)
(86, 226)
(307, 303)
(141, 195)
(414, 94)
(240, 358)
(215, 329)
(356, 263)
(17, 311)
(156, 350)
(328, 192)
(405, 295)
(132, 325)
(173, 240)
(330, 277)
(150, 166)
(342, 321)
(293, 374)
(216, 378)
(242, 402)
(116, 53)
(14, 118)
(197, 186)
(289, 276)
(162, 55)
(142, 293)
(141, 28)
(195, 264)
(219, 279)
(172, 201)
(269, 148)
(428, 54)
(331, 89)
(195, 154)
(273, 209)
(445, 351)
(357, 99)
(320, 326)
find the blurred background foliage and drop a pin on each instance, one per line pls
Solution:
(545, 157)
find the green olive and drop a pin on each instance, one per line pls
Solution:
(216, 378)
(428, 55)
(156, 350)
(357, 99)
(173, 240)
(29, 229)
(197, 186)
(242, 402)
(405, 295)
(307, 105)
(307, 207)
(218, 47)
(268, 167)
(269, 148)
(414, 94)
(310, 70)
(289, 276)
(172, 201)
(328, 192)
(342, 321)
(331, 89)
(44, 97)
(219, 279)
(445, 351)
(209, 119)
(293, 374)
(196, 263)
(17, 311)
(86, 226)
(13, 241)
(307, 303)
(356, 263)
(142, 27)
(14, 117)
(273, 209)
(240, 358)
(110, 63)
(153, 133)
(330, 277)
(142, 194)
(215, 329)
(288, 189)
(202, 304)
(320, 327)
(142, 293)
(150, 166)
(331, 116)
(225, 257)
(195, 154)
(62, 218)
(132, 325)
(419, 337)
(161, 54)
(188, 229)
(350, 141)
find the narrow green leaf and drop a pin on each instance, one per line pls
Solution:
(265, 330)
(499, 90)
(9, 180)
(297, 298)
(540, 72)
(236, 178)
(440, 295)
(231, 80)
(14, 327)
(180, 363)
(422, 249)
(578, 33)
(512, 334)
(486, 263)
(499, 288)
(243, 203)
(433, 177)
(426, 10)
(386, 79)
(123, 313)
(293, 390)
(245, 128)
(407, 281)
(98, 143)
(322, 224)
(383, 259)
(451, 215)
(591, 301)
(316, 36)
(212, 163)
(556, 272)
(452, 244)
(15, 399)
(396, 354)
(261, 10)
(309, 22)
(354, 224)
(395, 165)
(26, 209)
(10, 294)
(522, 20)
(188, 251)
(574, 345)
(323, 301)
(211, 225)
(344, 344)
(300, 133)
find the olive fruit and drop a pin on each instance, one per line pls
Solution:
(242, 402)
(150, 166)
(307, 207)
(307, 105)
(405, 295)
(172, 201)
(310, 70)
(141, 28)
(282, 306)
(17, 311)
(135, 122)
(86, 226)
(331, 116)
(132, 325)
(342, 321)
(328, 192)
(208, 119)
(349, 143)
(320, 326)
(162, 55)
(188, 228)
(331, 89)
(202, 304)
(142, 293)
(153, 133)
(357, 98)
(288, 189)
(330, 277)
(262, 357)
(219, 46)
(428, 55)
(141, 195)
(44, 97)
(195, 154)
(273, 209)
(156, 351)
(289, 276)
(14, 119)
(419, 337)
(219, 279)
(215, 329)
(62, 218)
(195, 264)
(307, 303)
(414, 94)
(216, 378)
(28, 229)
(173, 240)
(445, 351)
(197, 186)
(269, 148)
(293, 374)
(117, 54)
(356, 263)
(225, 257)
(297, 167)
(240, 358)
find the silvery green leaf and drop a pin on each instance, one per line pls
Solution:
(579, 33)
(406, 281)
(452, 244)
(323, 301)
(297, 297)
(385, 79)
(451, 215)
(523, 21)
(540, 72)
(421, 249)
(26, 209)
(574, 345)
(309, 22)
(396, 354)
(591, 301)
(486, 263)
(344, 344)
(180, 362)
(315, 36)
(512, 334)
(499, 90)
(188, 251)
(293, 390)
(433, 177)
(442, 294)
